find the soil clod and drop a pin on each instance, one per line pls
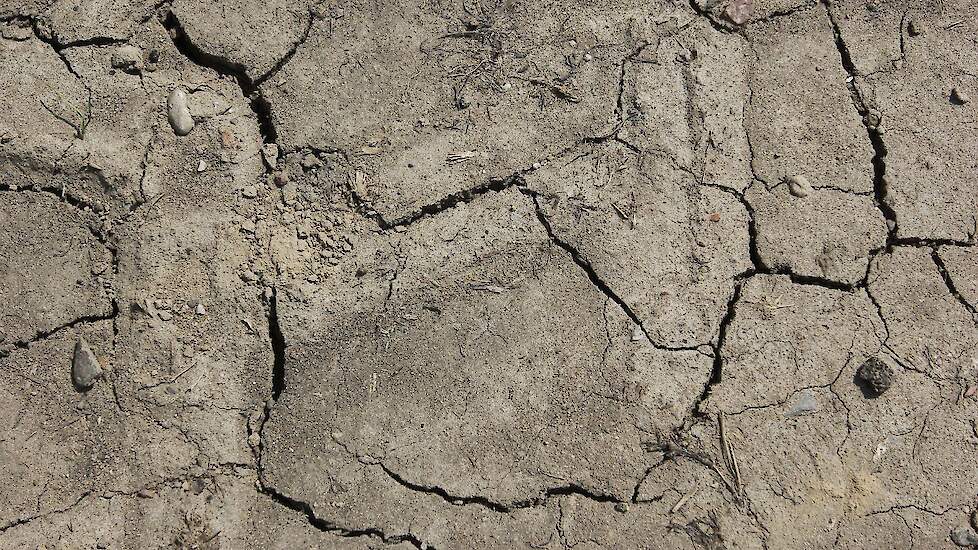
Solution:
(877, 374)
(128, 59)
(799, 186)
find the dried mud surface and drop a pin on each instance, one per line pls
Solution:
(488, 274)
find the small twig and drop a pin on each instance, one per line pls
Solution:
(729, 456)
(184, 371)
(682, 502)
(557, 90)
(730, 486)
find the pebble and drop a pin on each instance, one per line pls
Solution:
(85, 368)
(877, 373)
(254, 440)
(280, 178)
(962, 536)
(200, 309)
(799, 186)
(128, 59)
(178, 113)
(738, 11)
(249, 192)
(201, 166)
(960, 97)
(249, 276)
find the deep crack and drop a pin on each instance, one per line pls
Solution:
(716, 375)
(278, 347)
(305, 509)
(249, 88)
(870, 122)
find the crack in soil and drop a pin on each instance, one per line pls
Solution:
(249, 88)
(262, 110)
(949, 283)
(448, 202)
(289, 54)
(595, 279)
(305, 509)
(44, 335)
(498, 507)
(25, 521)
(878, 161)
(716, 375)
(278, 347)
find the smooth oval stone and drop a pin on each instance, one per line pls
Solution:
(178, 113)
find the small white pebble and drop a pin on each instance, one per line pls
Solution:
(201, 166)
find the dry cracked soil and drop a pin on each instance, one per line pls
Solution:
(472, 274)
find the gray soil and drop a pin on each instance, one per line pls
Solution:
(471, 274)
